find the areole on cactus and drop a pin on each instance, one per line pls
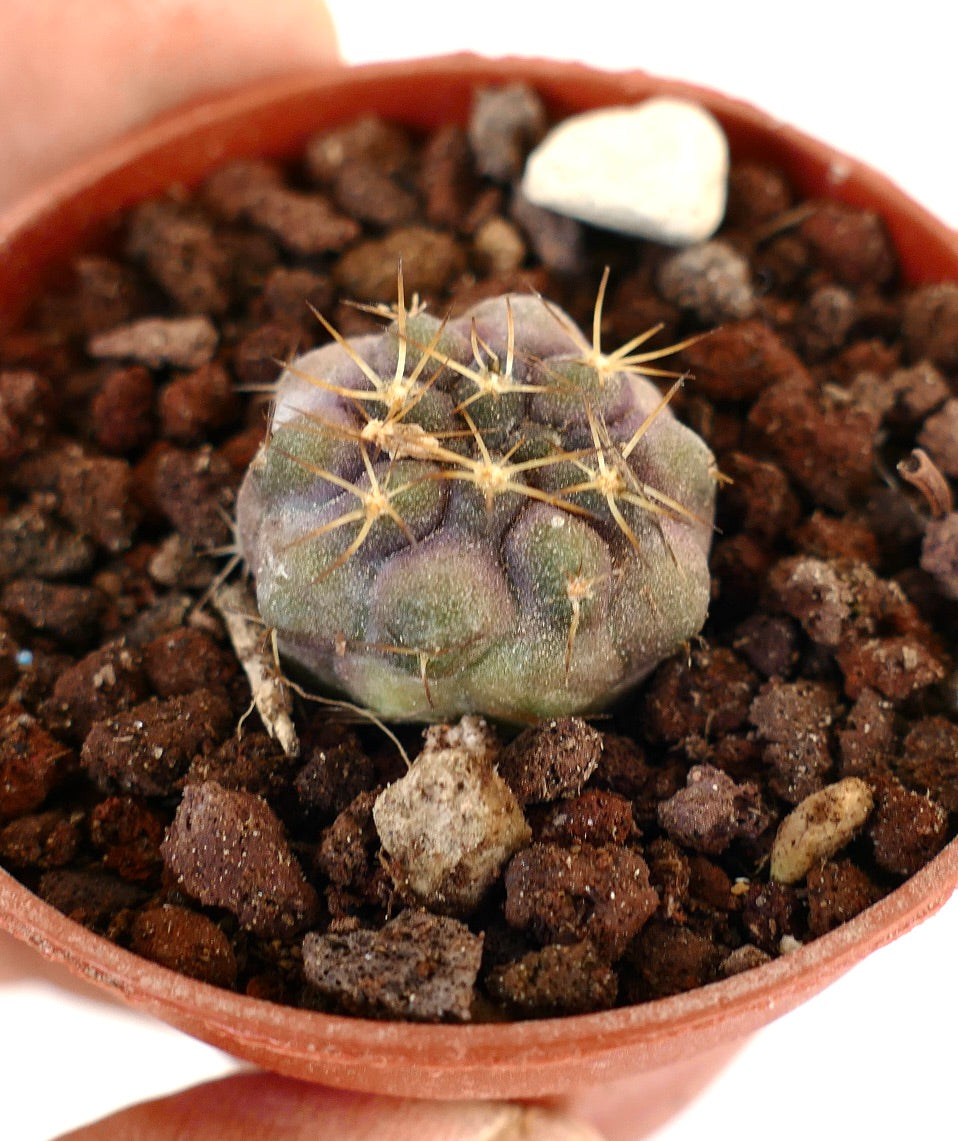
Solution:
(485, 514)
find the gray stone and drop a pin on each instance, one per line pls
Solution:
(183, 342)
(419, 967)
(712, 279)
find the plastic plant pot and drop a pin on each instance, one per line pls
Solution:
(676, 1043)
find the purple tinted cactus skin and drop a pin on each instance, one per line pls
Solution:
(484, 515)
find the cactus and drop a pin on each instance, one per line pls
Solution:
(485, 514)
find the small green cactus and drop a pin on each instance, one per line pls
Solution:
(480, 515)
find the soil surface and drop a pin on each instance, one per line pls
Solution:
(140, 796)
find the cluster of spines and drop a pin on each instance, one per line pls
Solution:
(602, 472)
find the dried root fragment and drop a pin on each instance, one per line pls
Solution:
(271, 695)
(819, 827)
(920, 471)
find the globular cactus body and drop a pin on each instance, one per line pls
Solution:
(481, 515)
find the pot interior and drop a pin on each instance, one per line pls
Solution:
(528, 1059)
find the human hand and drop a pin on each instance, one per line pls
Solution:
(74, 75)
(273, 1108)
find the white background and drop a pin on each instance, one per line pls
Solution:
(872, 1056)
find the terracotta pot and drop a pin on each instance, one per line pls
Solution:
(674, 1041)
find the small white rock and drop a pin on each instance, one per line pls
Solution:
(819, 827)
(656, 170)
(450, 824)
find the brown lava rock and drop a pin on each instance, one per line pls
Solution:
(193, 405)
(193, 490)
(34, 544)
(712, 811)
(185, 660)
(825, 445)
(740, 359)
(895, 667)
(431, 259)
(550, 760)
(757, 192)
(708, 693)
(349, 857)
(26, 407)
(569, 894)
(96, 495)
(868, 738)
(32, 763)
(366, 139)
(146, 749)
(670, 873)
(332, 777)
(939, 553)
(304, 223)
(44, 840)
(228, 849)
(562, 978)
(129, 834)
(88, 896)
(70, 614)
(929, 760)
(372, 195)
(850, 243)
(814, 593)
(792, 721)
(184, 941)
(594, 817)
(907, 829)
(179, 248)
(769, 913)
(105, 681)
(446, 179)
(930, 324)
(669, 958)
(768, 642)
(837, 891)
(827, 537)
(759, 498)
(251, 761)
(123, 410)
(622, 766)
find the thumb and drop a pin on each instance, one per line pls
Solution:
(271, 1108)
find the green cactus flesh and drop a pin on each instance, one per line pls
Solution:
(480, 515)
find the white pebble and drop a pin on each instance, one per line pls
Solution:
(450, 824)
(655, 170)
(819, 827)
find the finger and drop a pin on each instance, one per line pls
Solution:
(272, 1108)
(77, 75)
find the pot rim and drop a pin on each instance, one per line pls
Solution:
(39, 230)
(527, 1058)
(474, 1059)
